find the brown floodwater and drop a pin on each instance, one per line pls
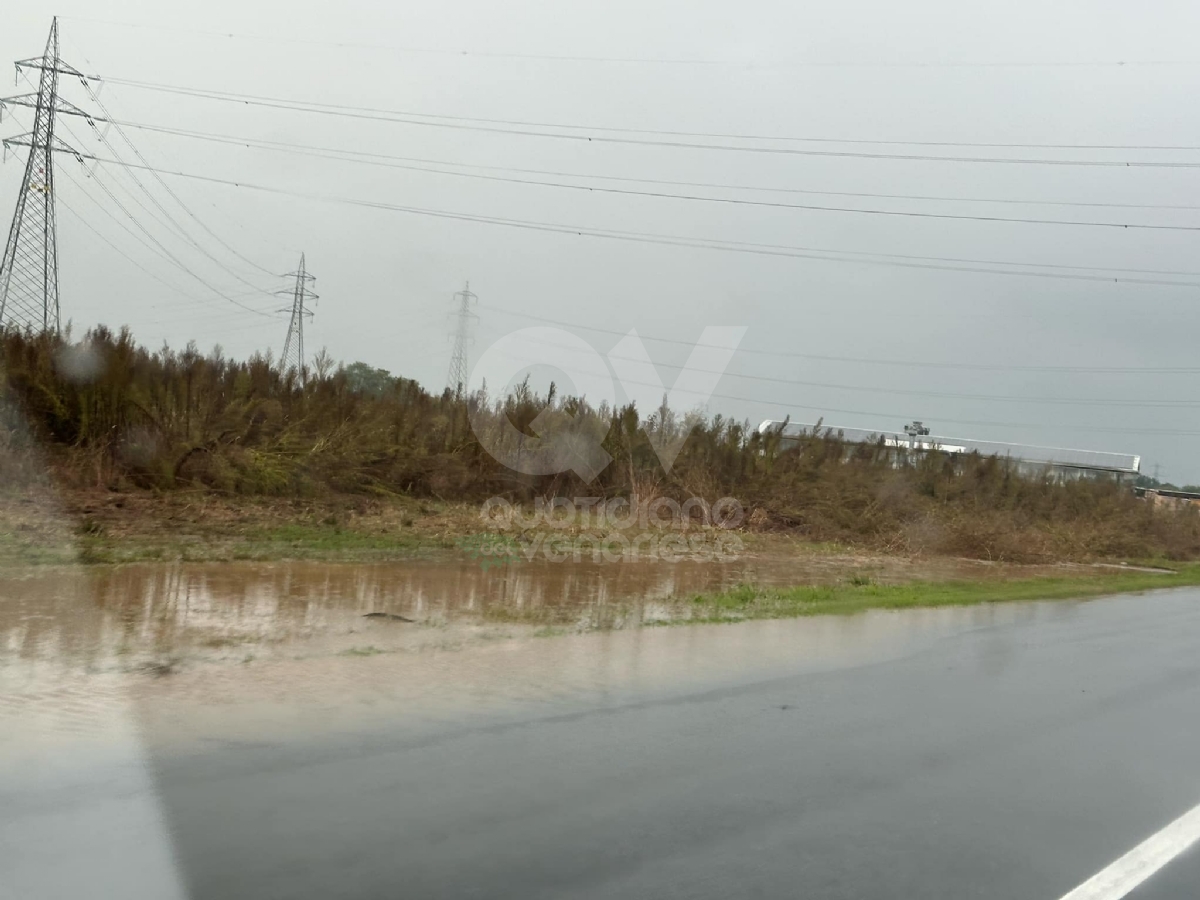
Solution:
(180, 648)
(155, 616)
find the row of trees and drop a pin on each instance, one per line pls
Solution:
(112, 413)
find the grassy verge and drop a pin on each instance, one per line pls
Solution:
(307, 542)
(107, 528)
(102, 527)
(749, 602)
(259, 545)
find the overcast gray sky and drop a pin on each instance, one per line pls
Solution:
(1017, 73)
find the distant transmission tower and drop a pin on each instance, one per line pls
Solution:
(459, 372)
(293, 346)
(29, 267)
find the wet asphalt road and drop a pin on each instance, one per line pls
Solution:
(1011, 761)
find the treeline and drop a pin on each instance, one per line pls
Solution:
(107, 413)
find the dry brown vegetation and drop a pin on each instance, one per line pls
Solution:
(106, 417)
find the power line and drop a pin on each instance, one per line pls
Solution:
(172, 258)
(233, 320)
(93, 176)
(326, 153)
(787, 406)
(636, 60)
(289, 146)
(947, 395)
(860, 360)
(174, 196)
(82, 220)
(172, 224)
(240, 314)
(468, 124)
(133, 234)
(793, 382)
(158, 248)
(920, 258)
(891, 415)
(224, 331)
(892, 260)
(145, 166)
(92, 228)
(657, 132)
(196, 218)
(989, 398)
(133, 196)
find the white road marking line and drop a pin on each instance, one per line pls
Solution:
(1152, 854)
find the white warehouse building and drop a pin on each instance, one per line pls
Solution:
(1057, 461)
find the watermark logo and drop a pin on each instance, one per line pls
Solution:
(616, 513)
(561, 440)
(569, 437)
(580, 529)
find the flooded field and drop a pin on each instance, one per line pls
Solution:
(153, 618)
(185, 645)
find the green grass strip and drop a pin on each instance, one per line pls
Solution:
(751, 602)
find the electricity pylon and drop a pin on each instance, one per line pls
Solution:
(293, 347)
(29, 267)
(456, 380)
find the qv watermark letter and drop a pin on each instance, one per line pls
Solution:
(572, 440)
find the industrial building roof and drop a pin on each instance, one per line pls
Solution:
(1126, 463)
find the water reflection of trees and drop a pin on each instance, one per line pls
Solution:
(89, 616)
(93, 617)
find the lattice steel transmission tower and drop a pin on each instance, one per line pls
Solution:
(29, 267)
(456, 380)
(293, 347)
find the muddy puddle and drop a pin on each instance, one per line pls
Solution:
(229, 651)
(152, 618)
